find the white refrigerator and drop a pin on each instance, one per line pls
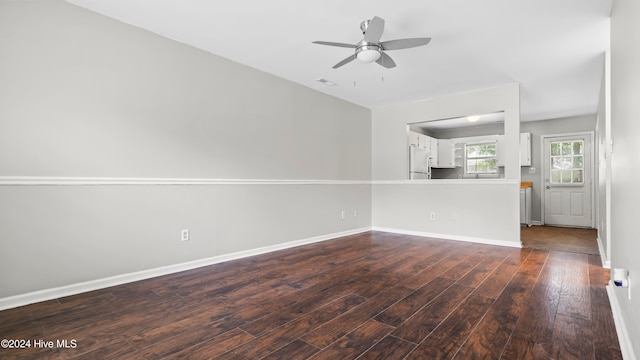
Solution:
(419, 163)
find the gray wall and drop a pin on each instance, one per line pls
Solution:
(625, 160)
(548, 127)
(83, 96)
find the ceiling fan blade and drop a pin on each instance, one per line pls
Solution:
(335, 44)
(404, 43)
(386, 61)
(374, 30)
(345, 61)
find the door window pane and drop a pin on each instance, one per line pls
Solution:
(577, 162)
(567, 162)
(577, 176)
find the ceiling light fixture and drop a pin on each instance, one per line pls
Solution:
(473, 118)
(368, 53)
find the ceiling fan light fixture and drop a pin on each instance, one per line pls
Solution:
(368, 55)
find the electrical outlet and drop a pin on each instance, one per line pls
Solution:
(185, 235)
(355, 213)
(532, 170)
(344, 214)
(433, 215)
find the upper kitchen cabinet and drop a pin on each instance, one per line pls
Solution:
(446, 154)
(416, 139)
(525, 149)
(413, 138)
(433, 145)
(423, 141)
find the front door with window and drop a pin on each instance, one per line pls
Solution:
(567, 181)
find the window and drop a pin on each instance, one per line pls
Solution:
(567, 162)
(481, 159)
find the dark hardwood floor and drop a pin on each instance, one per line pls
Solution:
(560, 238)
(368, 296)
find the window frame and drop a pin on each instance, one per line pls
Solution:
(476, 175)
(564, 157)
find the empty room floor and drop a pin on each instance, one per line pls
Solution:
(368, 296)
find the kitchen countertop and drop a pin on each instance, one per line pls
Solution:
(526, 184)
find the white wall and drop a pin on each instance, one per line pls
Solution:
(625, 160)
(475, 210)
(85, 97)
(603, 146)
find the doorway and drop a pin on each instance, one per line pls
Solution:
(567, 180)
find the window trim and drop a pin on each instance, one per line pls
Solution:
(476, 175)
(572, 156)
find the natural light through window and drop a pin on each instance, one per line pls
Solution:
(567, 162)
(481, 159)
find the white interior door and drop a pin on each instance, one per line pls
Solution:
(567, 180)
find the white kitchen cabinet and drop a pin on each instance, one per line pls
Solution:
(446, 154)
(421, 140)
(424, 142)
(413, 138)
(433, 146)
(525, 149)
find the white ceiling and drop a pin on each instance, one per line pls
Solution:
(553, 48)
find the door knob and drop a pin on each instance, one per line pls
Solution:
(548, 187)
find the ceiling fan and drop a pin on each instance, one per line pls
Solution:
(370, 49)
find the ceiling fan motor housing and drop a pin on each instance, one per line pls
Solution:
(364, 25)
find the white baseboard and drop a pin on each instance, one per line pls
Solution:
(606, 263)
(621, 328)
(73, 289)
(450, 237)
(536, 223)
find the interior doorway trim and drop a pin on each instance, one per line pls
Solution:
(590, 134)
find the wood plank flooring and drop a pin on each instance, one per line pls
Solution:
(368, 296)
(560, 238)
